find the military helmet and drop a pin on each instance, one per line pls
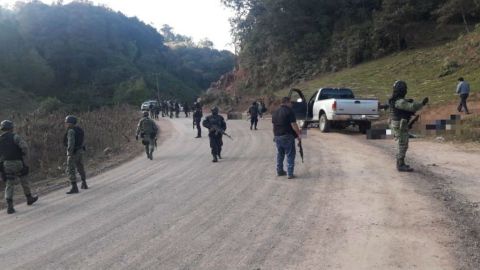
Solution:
(145, 114)
(70, 119)
(6, 125)
(215, 110)
(400, 86)
(400, 89)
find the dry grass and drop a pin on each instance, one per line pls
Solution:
(111, 128)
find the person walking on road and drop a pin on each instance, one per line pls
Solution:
(73, 140)
(186, 109)
(13, 150)
(463, 90)
(216, 126)
(402, 110)
(285, 130)
(197, 118)
(177, 109)
(253, 111)
(147, 130)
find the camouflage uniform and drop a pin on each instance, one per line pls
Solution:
(401, 111)
(400, 128)
(147, 129)
(13, 168)
(74, 158)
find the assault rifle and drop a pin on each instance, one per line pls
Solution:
(218, 130)
(2, 172)
(300, 149)
(413, 121)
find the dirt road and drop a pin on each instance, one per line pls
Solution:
(349, 209)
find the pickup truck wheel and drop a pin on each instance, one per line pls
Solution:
(324, 124)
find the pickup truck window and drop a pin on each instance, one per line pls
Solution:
(338, 93)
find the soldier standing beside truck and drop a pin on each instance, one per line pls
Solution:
(402, 110)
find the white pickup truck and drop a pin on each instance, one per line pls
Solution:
(334, 108)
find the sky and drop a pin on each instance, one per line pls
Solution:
(195, 18)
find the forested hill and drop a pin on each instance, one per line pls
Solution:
(283, 41)
(89, 55)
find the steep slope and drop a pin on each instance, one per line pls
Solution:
(90, 55)
(429, 72)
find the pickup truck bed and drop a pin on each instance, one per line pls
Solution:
(334, 108)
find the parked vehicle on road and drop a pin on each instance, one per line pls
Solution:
(146, 105)
(334, 108)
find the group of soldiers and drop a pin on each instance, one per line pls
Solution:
(14, 149)
(14, 153)
(169, 108)
(147, 130)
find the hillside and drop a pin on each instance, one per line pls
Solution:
(429, 72)
(281, 42)
(89, 55)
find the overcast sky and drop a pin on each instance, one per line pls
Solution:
(196, 18)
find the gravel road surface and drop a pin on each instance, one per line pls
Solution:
(348, 209)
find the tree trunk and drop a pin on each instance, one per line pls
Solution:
(465, 19)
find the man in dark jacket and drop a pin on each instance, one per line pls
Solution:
(197, 118)
(216, 125)
(253, 111)
(13, 149)
(285, 130)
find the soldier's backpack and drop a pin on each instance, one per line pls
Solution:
(148, 127)
(79, 138)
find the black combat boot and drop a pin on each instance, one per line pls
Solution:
(10, 209)
(74, 189)
(30, 199)
(215, 158)
(84, 184)
(402, 167)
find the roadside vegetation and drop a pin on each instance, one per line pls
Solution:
(431, 72)
(108, 132)
(282, 42)
(91, 56)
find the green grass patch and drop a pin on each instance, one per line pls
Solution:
(431, 72)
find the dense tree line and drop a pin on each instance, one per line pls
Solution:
(280, 41)
(90, 55)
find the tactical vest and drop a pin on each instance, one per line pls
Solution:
(147, 126)
(9, 150)
(215, 120)
(253, 111)
(79, 137)
(398, 114)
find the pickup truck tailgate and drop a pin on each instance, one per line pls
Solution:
(357, 106)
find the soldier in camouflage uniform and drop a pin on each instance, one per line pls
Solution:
(73, 140)
(147, 129)
(13, 149)
(402, 110)
(216, 125)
